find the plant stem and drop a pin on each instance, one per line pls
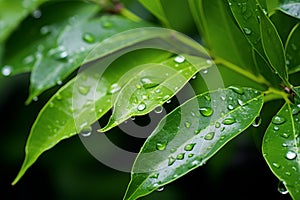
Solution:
(274, 94)
(130, 15)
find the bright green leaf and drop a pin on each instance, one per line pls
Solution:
(281, 148)
(293, 50)
(155, 7)
(191, 134)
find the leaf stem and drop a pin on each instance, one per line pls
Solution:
(274, 94)
(130, 15)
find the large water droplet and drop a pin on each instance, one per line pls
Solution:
(148, 82)
(180, 156)
(86, 131)
(88, 38)
(141, 107)
(161, 146)
(160, 189)
(281, 188)
(229, 121)
(206, 111)
(6, 70)
(189, 147)
(278, 120)
(158, 109)
(179, 59)
(257, 122)
(290, 155)
(209, 136)
(236, 89)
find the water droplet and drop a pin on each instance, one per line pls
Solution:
(169, 101)
(6, 70)
(179, 59)
(190, 155)
(161, 146)
(276, 128)
(278, 120)
(229, 121)
(290, 155)
(29, 59)
(158, 109)
(241, 102)
(209, 136)
(86, 131)
(114, 88)
(281, 188)
(141, 107)
(45, 30)
(187, 124)
(194, 164)
(217, 125)
(257, 122)
(36, 14)
(171, 160)
(285, 135)
(206, 111)
(83, 90)
(237, 89)
(59, 53)
(194, 77)
(204, 71)
(148, 83)
(180, 156)
(160, 189)
(154, 175)
(189, 147)
(230, 107)
(88, 38)
(207, 97)
(106, 24)
(209, 61)
(197, 132)
(276, 165)
(247, 31)
(35, 99)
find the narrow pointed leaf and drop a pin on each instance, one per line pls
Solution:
(293, 50)
(150, 86)
(187, 137)
(281, 148)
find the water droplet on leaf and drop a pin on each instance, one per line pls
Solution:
(179, 59)
(88, 38)
(229, 121)
(6, 70)
(171, 160)
(86, 131)
(160, 189)
(161, 146)
(236, 89)
(189, 147)
(187, 124)
(206, 111)
(209, 136)
(247, 31)
(290, 155)
(257, 122)
(158, 109)
(281, 188)
(180, 156)
(141, 107)
(278, 120)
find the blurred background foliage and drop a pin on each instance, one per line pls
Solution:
(68, 171)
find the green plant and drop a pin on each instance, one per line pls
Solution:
(253, 44)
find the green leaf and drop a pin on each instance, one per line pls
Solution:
(37, 36)
(293, 50)
(150, 86)
(220, 30)
(291, 7)
(281, 148)
(78, 104)
(13, 12)
(273, 46)
(73, 46)
(155, 7)
(187, 137)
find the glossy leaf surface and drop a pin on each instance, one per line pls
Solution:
(187, 137)
(293, 50)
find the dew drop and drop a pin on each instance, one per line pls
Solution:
(161, 146)
(114, 88)
(171, 160)
(204, 71)
(158, 109)
(276, 128)
(59, 53)
(83, 90)
(86, 131)
(229, 121)
(88, 38)
(237, 89)
(257, 122)
(189, 147)
(154, 175)
(247, 31)
(230, 107)
(209, 136)
(217, 125)
(141, 107)
(285, 135)
(35, 99)
(207, 97)
(6, 70)
(160, 189)
(206, 111)
(179, 59)
(276, 165)
(36, 14)
(194, 77)
(187, 124)
(197, 132)
(190, 155)
(290, 155)
(180, 156)
(106, 24)
(148, 83)
(278, 120)
(281, 188)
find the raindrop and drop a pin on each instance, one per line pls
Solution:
(35, 99)
(169, 101)
(230, 107)
(257, 122)
(290, 155)
(158, 109)
(160, 189)
(206, 111)
(276, 165)
(37, 14)
(217, 125)
(59, 53)
(189, 147)
(209, 62)
(114, 88)
(6, 70)
(83, 90)
(209, 136)
(197, 132)
(285, 135)
(194, 164)
(148, 83)
(276, 128)
(207, 97)
(141, 107)
(154, 175)
(161, 146)
(171, 160)
(194, 77)
(241, 103)
(204, 71)
(88, 38)
(106, 24)
(187, 124)
(247, 31)
(278, 120)
(190, 155)
(59, 82)
(180, 156)
(29, 59)
(45, 30)
(179, 59)
(237, 89)
(229, 121)
(86, 131)
(281, 188)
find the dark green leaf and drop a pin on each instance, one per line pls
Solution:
(187, 137)
(281, 148)
(13, 12)
(293, 50)
(290, 7)
(155, 7)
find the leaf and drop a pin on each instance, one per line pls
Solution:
(291, 7)
(35, 36)
(73, 46)
(293, 50)
(273, 46)
(149, 86)
(220, 31)
(156, 8)
(78, 104)
(187, 137)
(13, 12)
(281, 148)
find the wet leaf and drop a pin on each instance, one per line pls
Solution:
(281, 148)
(219, 117)
(293, 50)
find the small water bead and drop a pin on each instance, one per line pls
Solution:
(206, 111)
(106, 24)
(171, 160)
(217, 125)
(257, 122)
(230, 107)
(160, 189)
(197, 132)
(207, 97)
(190, 155)
(187, 124)
(88, 38)
(236, 89)
(83, 90)
(278, 120)
(209, 61)
(276, 128)
(229, 121)
(35, 99)
(179, 59)
(86, 131)
(241, 102)
(189, 147)
(154, 175)
(180, 156)
(247, 31)
(281, 188)
(36, 14)
(158, 109)
(276, 165)
(6, 70)
(285, 135)
(194, 77)
(290, 155)
(204, 71)
(169, 101)
(148, 83)
(114, 88)
(141, 107)
(59, 53)
(161, 146)
(209, 136)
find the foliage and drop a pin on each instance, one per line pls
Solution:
(255, 39)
